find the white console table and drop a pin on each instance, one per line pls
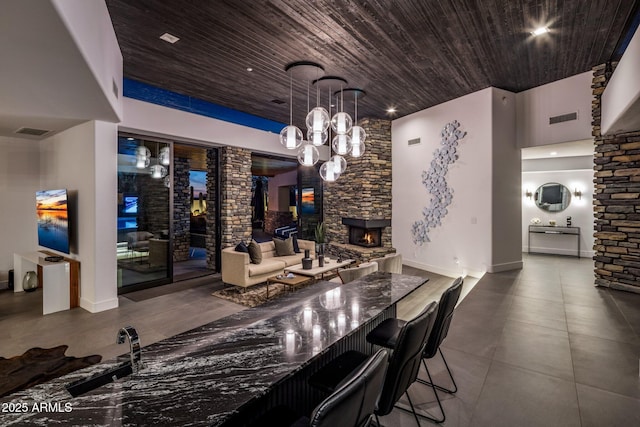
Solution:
(55, 279)
(555, 230)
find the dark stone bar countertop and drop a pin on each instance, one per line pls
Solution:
(202, 376)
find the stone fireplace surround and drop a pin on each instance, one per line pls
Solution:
(363, 192)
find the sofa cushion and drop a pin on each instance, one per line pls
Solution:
(284, 247)
(255, 253)
(266, 267)
(290, 260)
(242, 247)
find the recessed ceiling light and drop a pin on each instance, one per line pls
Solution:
(539, 31)
(130, 139)
(391, 110)
(553, 153)
(249, 69)
(169, 38)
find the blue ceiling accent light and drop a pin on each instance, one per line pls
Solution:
(154, 95)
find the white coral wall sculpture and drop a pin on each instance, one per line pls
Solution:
(435, 181)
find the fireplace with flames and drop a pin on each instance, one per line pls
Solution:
(365, 232)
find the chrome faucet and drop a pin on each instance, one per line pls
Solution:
(134, 344)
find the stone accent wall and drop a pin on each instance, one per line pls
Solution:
(275, 219)
(153, 209)
(235, 215)
(212, 191)
(363, 191)
(616, 206)
(181, 209)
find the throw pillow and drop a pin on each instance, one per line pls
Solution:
(255, 253)
(296, 247)
(242, 247)
(284, 247)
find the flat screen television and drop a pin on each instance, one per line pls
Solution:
(53, 219)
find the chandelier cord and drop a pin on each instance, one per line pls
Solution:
(291, 98)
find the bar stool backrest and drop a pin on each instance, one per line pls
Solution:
(446, 306)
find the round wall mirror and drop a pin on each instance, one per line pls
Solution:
(552, 197)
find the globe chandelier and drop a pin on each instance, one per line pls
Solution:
(348, 139)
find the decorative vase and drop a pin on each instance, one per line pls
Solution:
(30, 281)
(321, 260)
(307, 261)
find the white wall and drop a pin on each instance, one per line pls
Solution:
(580, 211)
(506, 174)
(465, 233)
(83, 160)
(19, 181)
(535, 106)
(621, 98)
(90, 26)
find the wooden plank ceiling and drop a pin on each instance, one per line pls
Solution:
(409, 54)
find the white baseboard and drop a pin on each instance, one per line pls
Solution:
(95, 307)
(507, 266)
(453, 273)
(557, 251)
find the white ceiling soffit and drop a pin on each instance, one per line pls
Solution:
(583, 147)
(45, 81)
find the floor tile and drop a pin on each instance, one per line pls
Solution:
(602, 408)
(536, 348)
(606, 364)
(538, 312)
(513, 396)
(544, 290)
(605, 321)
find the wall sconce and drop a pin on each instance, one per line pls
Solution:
(577, 193)
(528, 194)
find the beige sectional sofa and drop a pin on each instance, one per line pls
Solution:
(238, 270)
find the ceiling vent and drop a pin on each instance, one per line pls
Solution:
(563, 118)
(32, 131)
(414, 141)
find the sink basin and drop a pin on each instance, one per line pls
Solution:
(84, 385)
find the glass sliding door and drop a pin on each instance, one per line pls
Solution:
(144, 200)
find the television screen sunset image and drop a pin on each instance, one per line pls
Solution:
(53, 220)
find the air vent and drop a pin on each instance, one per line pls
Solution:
(414, 141)
(32, 131)
(563, 118)
(278, 101)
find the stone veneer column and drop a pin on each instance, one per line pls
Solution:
(235, 215)
(153, 209)
(212, 194)
(616, 206)
(181, 209)
(363, 191)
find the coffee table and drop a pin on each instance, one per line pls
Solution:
(296, 280)
(316, 270)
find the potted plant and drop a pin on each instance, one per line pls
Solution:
(321, 238)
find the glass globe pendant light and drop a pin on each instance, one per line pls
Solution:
(341, 122)
(157, 171)
(341, 144)
(358, 135)
(308, 155)
(165, 156)
(291, 136)
(339, 164)
(328, 171)
(143, 157)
